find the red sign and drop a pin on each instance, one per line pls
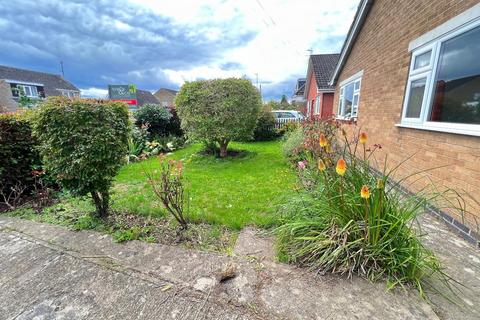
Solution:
(130, 101)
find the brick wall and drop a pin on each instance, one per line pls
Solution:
(311, 93)
(327, 105)
(381, 50)
(7, 104)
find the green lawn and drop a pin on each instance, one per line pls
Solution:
(233, 192)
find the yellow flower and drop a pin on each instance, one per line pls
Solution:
(341, 167)
(365, 193)
(323, 141)
(380, 184)
(321, 165)
(363, 138)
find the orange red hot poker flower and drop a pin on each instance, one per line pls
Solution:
(323, 141)
(341, 167)
(363, 138)
(365, 193)
(321, 165)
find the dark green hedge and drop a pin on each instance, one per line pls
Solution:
(18, 156)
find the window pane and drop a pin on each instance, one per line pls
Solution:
(348, 100)
(422, 60)
(457, 84)
(417, 91)
(357, 85)
(355, 100)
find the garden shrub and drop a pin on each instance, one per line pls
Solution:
(293, 145)
(83, 143)
(288, 127)
(348, 219)
(174, 125)
(219, 110)
(305, 136)
(137, 142)
(155, 117)
(18, 157)
(169, 187)
(265, 129)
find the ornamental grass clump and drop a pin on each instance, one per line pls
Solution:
(349, 220)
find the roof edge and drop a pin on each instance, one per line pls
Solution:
(307, 82)
(362, 12)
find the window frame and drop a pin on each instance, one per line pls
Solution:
(31, 94)
(356, 78)
(431, 73)
(69, 93)
(318, 100)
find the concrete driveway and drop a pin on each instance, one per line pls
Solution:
(49, 272)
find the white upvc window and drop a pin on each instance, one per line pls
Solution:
(443, 87)
(317, 105)
(309, 108)
(349, 97)
(29, 91)
(70, 93)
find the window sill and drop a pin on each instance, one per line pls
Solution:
(466, 132)
(346, 120)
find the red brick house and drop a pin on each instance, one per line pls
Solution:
(318, 92)
(409, 75)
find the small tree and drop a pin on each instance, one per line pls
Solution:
(219, 110)
(83, 143)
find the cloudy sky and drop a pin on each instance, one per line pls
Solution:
(164, 43)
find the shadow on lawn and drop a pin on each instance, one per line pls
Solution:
(231, 154)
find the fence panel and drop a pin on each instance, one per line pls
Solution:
(279, 123)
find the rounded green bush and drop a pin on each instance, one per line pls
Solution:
(83, 144)
(219, 110)
(155, 117)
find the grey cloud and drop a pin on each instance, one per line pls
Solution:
(89, 38)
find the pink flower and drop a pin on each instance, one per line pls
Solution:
(302, 164)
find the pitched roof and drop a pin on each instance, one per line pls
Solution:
(174, 92)
(144, 97)
(323, 66)
(50, 82)
(300, 87)
(362, 11)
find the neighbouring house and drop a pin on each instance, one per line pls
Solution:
(166, 96)
(409, 75)
(7, 104)
(318, 92)
(298, 94)
(144, 96)
(32, 84)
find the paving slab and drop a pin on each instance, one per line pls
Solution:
(50, 272)
(461, 261)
